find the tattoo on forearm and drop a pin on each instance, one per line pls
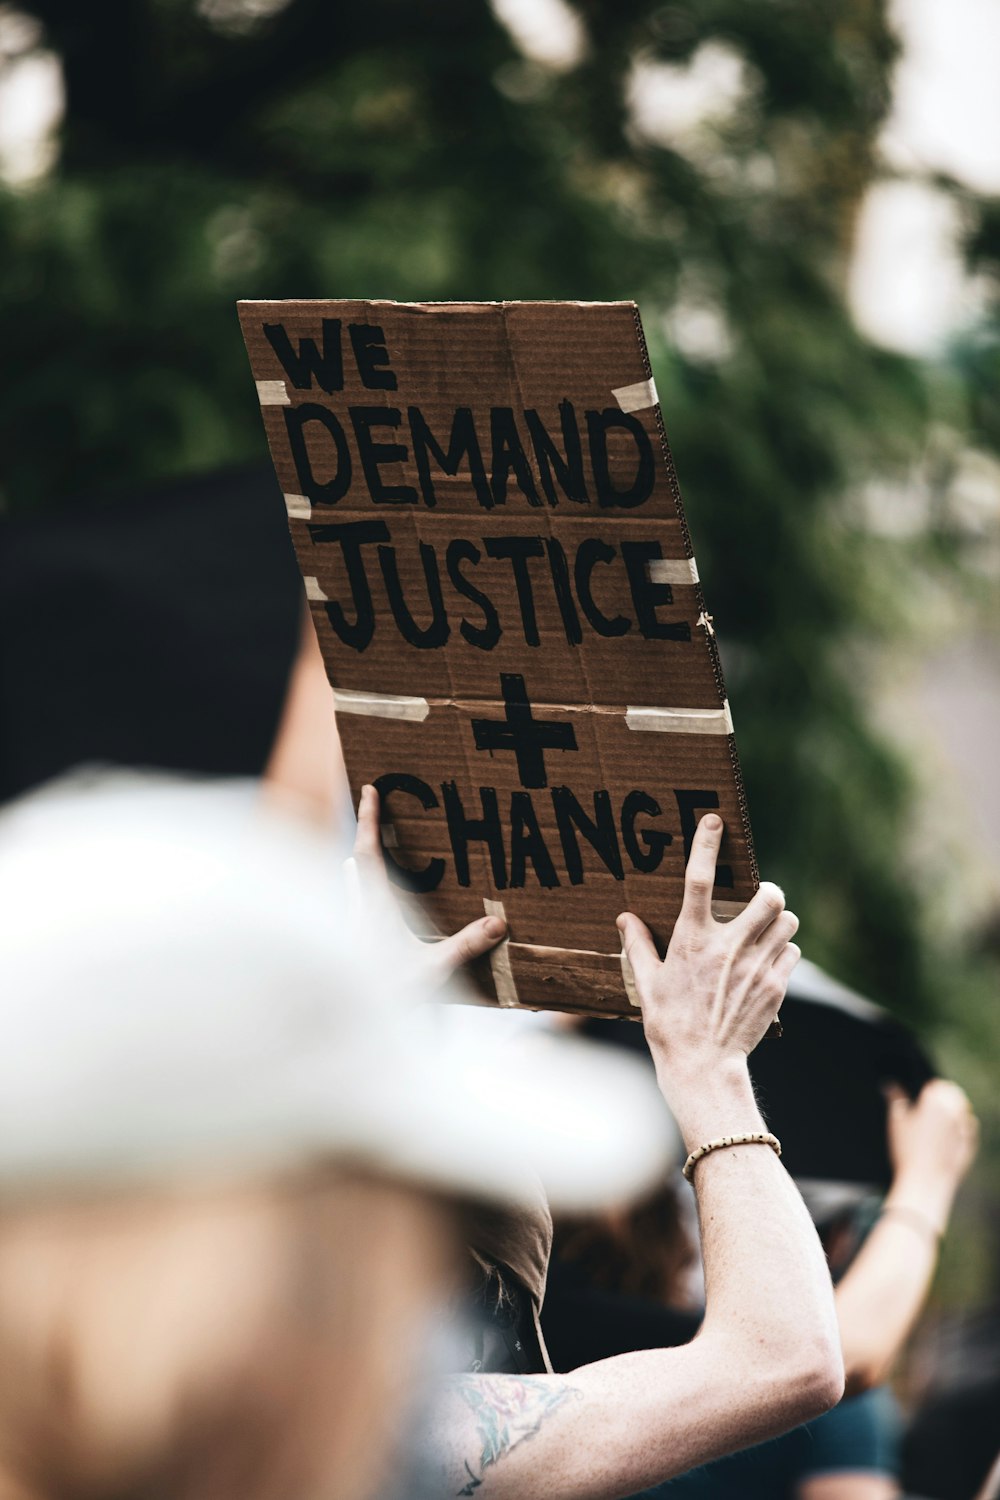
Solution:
(508, 1409)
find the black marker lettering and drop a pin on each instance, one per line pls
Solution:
(326, 491)
(429, 878)
(373, 454)
(487, 635)
(648, 596)
(301, 368)
(526, 842)
(516, 550)
(352, 536)
(508, 458)
(436, 633)
(463, 443)
(599, 832)
(646, 847)
(485, 830)
(520, 732)
(564, 593)
(589, 553)
(568, 468)
(368, 343)
(598, 425)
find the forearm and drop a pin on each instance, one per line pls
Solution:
(769, 1301)
(603, 1432)
(880, 1296)
(614, 1428)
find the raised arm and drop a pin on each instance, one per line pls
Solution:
(768, 1355)
(932, 1143)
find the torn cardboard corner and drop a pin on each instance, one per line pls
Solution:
(498, 565)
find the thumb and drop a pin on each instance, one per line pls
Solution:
(640, 950)
(368, 837)
(462, 947)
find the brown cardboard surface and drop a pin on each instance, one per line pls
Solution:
(486, 514)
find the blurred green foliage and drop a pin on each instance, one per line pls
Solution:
(409, 149)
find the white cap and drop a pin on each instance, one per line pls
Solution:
(185, 991)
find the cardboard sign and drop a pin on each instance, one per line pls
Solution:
(489, 526)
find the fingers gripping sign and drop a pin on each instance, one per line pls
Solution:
(368, 838)
(721, 983)
(436, 961)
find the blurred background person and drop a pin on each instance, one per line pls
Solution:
(882, 1278)
(950, 1445)
(163, 645)
(232, 1148)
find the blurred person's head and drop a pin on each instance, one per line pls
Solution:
(843, 1213)
(169, 636)
(644, 1249)
(195, 653)
(229, 1136)
(257, 1340)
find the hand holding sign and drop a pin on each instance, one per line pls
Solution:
(711, 1000)
(436, 961)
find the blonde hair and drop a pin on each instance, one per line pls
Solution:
(236, 1345)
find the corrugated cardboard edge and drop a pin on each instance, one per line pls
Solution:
(557, 978)
(711, 642)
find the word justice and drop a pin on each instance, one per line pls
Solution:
(512, 833)
(576, 578)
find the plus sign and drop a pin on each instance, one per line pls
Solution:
(518, 731)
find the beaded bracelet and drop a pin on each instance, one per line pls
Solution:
(762, 1138)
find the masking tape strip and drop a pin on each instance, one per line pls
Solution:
(682, 570)
(681, 720)
(380, 705)
(272, 393)
(636, 397)
(542, 950)
(628, 979)
(389, 838)
(298, 507)
(503, 974)
(313, 590)
(725, 911)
